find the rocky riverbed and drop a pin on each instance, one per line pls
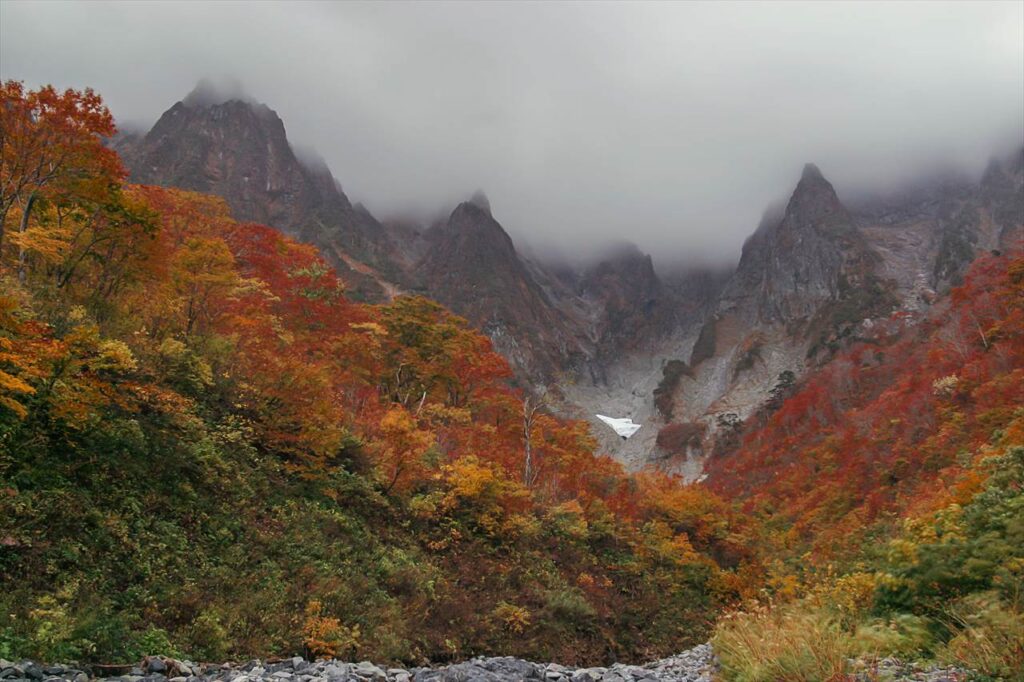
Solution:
(694, 665)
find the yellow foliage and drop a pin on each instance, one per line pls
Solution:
(851, 594)
(325, 636)
(515, 618)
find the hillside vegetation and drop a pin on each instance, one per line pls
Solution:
(208, 450)
(890, 490)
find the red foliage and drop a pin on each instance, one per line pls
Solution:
(880, 427)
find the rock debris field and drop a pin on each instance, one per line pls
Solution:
(694, 665)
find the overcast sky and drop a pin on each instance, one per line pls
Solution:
(671, 125)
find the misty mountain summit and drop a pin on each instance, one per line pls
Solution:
(218, 140)
(480, 199)
(210, 92)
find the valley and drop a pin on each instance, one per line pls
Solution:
(597, 337)
(244, 419)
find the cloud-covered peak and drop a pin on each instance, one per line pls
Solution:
(210, 92)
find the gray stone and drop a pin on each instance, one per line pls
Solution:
(513, 668)
(337, 670)
(155, 665)
(369, 670)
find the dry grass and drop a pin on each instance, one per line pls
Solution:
(990, 638)
(781, 645)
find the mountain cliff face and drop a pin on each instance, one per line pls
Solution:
(634, 308)
(239, 150)
(814, 255)
(472, 266)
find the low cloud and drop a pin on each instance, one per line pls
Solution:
(669, 125)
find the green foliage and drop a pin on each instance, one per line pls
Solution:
(976, 548)
(948, 588)
(904, 635)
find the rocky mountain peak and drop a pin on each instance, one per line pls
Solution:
(812, 256)
(814, 203)
(218, 140)
(476, 229)
(471, 266)
(631, 270)
(210, 92)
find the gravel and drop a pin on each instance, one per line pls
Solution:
(694, 665)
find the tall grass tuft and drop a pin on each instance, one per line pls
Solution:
(989, 639)
(781, 644)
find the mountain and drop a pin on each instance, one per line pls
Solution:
(696, 350)
(238, 149)
(634, 307)
(813, 256)
(208, 450)
(548, 325)
(471, 266)
(823, 275)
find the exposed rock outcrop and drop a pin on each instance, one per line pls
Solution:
(471, 266)
(238, 149)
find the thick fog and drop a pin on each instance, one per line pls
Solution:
(670, 125)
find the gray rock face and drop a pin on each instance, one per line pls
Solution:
(238, 149)
(819, 274)
(812, 256)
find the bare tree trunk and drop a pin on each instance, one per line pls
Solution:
(22, 254)
(531, 407)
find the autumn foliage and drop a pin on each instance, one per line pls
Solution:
(206, 447)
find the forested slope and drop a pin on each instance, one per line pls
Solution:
(206, 448)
